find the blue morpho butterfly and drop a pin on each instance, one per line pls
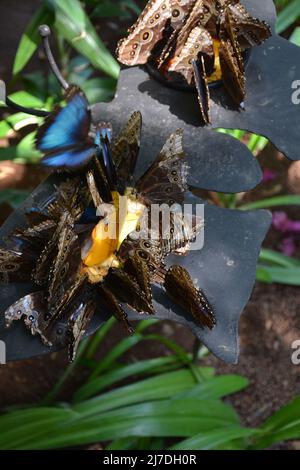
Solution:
(69, 140)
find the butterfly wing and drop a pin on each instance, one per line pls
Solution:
(66, 126)
(32, 309)
(16, 266)
(250, 31)
(77, 324)
(63, 137)
(70, 159)
(181, 288)
(199, 42)
(126, 148)
(158, 20)
(233, 77)
(166, 180)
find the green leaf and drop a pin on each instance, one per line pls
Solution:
(14, 197)
(285, 276)
(16, 122)
(154, 388)
(75, 27)
(215, 439)
(19, 426)
(295, 36)
(287, 16)
(99, 90)
(31, 38)
(282, 425)
(218, 387)
(262, 275)
(272, 202)
(278, 259)
(26, 99)
(148, 366)
(172, 418)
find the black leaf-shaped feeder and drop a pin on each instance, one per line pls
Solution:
(225, 268)
(271, 108)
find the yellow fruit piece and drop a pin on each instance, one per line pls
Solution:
(217, 74)
(99, 253)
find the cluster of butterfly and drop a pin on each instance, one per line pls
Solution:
(198, 40)
(51, 251)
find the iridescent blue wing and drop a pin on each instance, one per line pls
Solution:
(66, 126)
(70, 158)
(64, 137)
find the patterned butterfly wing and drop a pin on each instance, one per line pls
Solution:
(146, 248)
(77, 324)
(127, 290)
(166, 180)
(158, 20)
(250, 31)
(138, 269)
(126, 148)
(66, 267)
(199, 42)
(63, 138)
(182, 231)
(181, 289)
(33, 310)
(16, 266)
(233, 78)
(112, 305)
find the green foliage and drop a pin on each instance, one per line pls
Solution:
(167, 398)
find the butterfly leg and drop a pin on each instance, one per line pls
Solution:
(181, 288)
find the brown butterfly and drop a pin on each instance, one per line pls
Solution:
(77, 268)
(201, 41)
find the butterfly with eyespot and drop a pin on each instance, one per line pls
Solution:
(67, 297)
(198, 40)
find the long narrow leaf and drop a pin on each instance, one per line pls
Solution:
(31, 38)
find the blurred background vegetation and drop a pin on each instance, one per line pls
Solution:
(168, 401)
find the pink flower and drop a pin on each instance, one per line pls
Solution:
(288, 246)
(268, 175)
(283, 224)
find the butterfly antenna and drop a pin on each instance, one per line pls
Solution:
(45, 33)
(17, 107)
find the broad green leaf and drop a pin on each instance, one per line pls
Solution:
(96, 385)
(15, 122)
(215, 439)
(18, 426)
(154, 388)
(295, 37)
(99, 90)
(26, 99)
(31, 38)
(217, 387)
(172, 418)
(24, 152)
(287, 16)
(74, 25)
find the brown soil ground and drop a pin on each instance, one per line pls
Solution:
(268, 327)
